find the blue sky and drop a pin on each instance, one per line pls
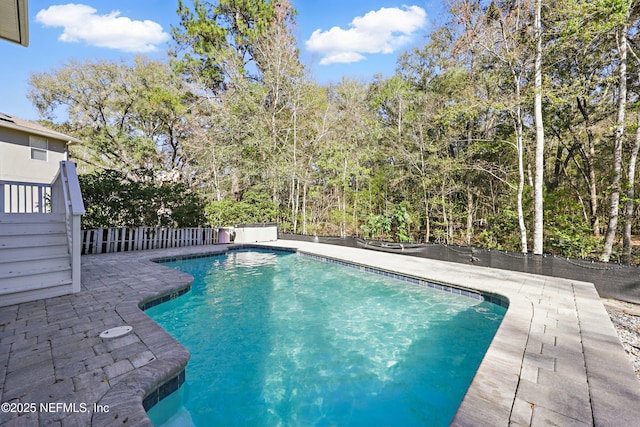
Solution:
(352, 38)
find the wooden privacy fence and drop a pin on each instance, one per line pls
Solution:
(107, 240)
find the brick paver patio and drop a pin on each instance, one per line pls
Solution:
(556, 359)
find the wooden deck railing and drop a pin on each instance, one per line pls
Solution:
(24, 197)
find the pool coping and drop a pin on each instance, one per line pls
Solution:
(556, 357)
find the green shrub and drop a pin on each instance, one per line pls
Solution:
(395, 224)
(377, 227)
(112, 200)
(254, 207)
(503, 231)
(567, 233)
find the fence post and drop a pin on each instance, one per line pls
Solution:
(86, 238)
(139, 238)
(110, 240)
(147, 238)
(129, 239)
(99, 241)
(93, 237)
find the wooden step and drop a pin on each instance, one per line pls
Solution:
(32, 268)
(32, 240)
(33, 292)
(34, 281)
(31, 218)
(11, 254)
(36, 228)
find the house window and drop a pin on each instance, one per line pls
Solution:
(39, 147)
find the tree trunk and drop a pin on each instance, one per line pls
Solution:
(296, 207)
(469, 215)
(426, 212)
(451, 226)
(355, 208)
(628, 211)
(216, 182)
(538, 223)
(235, 187)
(343, 226)
(294, 182)
(617, 150)
(520, 150)
(304, 207)
(445, 218)
(590, 159)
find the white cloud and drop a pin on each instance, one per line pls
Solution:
(82, 23)
(381, 31)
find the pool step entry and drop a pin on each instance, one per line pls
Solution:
(34, 257)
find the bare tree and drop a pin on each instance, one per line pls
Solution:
(614, 203)
(538, 223)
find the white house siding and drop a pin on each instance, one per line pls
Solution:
(16, 163)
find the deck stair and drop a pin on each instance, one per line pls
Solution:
(34, 257)
(40, 237)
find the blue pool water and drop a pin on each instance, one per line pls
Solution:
(283, 339)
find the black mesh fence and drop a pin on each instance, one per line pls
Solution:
(621, 282)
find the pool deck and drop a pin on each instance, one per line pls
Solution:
(555, 360)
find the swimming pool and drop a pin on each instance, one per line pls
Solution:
(282, 339)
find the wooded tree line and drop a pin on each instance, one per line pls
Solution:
(515, 125)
